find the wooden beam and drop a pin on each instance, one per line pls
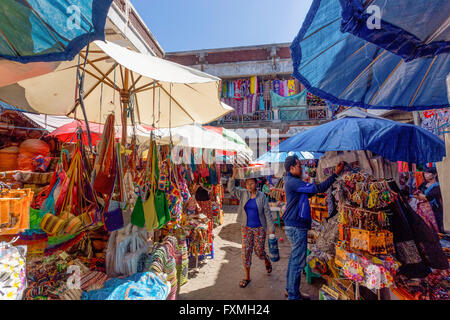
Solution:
(97, 69)
(179, 105)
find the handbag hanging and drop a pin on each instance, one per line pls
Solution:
(113, 220)
(106, 164)
(151, 218)
(161, 205)
(137, 216)
(213, 178)
(113, 216)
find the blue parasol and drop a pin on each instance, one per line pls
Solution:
(405, 68)
(278, 157)
(357, 130)
(43, 31)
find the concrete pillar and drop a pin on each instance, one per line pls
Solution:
(276, 114)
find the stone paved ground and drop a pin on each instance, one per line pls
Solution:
(218, 278)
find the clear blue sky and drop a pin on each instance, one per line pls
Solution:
(181, 25)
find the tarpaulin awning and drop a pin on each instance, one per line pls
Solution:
(347, 70)
(410, 29)
(37, 31)
(279, 157)
(183, 95)
(357, 130)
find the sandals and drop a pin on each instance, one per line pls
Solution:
(244, 283)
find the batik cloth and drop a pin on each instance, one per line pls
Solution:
(291, 87)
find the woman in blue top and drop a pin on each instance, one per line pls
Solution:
(255, 219)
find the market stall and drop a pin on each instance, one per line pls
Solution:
(117, 215)
(375, 237)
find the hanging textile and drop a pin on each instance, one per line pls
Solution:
(298, 86)
(266, 90)
(261, 103)
(281, 90)
(224, 90)
(254, 100)
(245, 106)
(291, 87)
(403, 166)
(424, 237)
(230, 89)
(276, 87)
(105, 164)
(237, 89)
(292, 101)
(246, 88)
(253, 85)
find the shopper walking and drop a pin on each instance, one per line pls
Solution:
(255, 219)
(297, 219)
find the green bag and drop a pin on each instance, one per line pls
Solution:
(161, 205)
(162, 208)
(35, 218)
(137, 216)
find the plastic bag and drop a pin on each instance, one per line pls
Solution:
(13, 280)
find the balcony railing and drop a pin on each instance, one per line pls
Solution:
(283, 114)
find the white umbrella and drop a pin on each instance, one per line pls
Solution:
(152, 90)
(193, 136)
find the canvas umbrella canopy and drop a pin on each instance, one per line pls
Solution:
(194, 136)
(229, 135)
(64, 128)
(390, 73)
(409, 28)
(143, 88)
(191, 137)
(42, 31)
(358, 130)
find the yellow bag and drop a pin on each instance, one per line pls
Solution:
(52, 225)
(151, 218)
(72, 224)
(341, 255)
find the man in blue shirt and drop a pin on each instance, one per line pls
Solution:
(297, 219)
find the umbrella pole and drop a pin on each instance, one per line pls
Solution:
(125, 99)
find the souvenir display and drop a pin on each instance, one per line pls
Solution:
(107, 215)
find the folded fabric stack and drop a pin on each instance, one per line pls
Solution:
(92, 278)
(162, 261)
(433, 287)
(198, 230)
(139, 286)
(183, 268)
(47, 277)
